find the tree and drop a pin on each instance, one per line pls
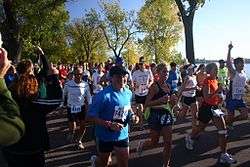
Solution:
(187, 10)
(130, 53)
(28, 23)
(85, 36)
(118, 26)
(162, 30)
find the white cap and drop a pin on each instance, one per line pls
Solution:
(1, 42)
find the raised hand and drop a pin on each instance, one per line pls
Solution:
(230, 46)
(4, 62)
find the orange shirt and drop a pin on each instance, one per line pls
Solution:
(212, 85)
(200, 78)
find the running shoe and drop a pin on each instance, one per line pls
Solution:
(226, 159)
(92, 160)
(80, 145)
(189, 143)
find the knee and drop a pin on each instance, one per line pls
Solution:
(167, 144)
(154, 142)
(222, 132)
(245, 114)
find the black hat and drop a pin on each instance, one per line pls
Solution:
(221, 61)
(117, 70)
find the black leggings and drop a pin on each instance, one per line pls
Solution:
(17, 160)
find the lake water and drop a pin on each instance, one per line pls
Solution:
(247, 69)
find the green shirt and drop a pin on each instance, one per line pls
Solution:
(223, 76)
(11, 126)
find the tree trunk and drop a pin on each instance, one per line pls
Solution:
(188, 28)
(11, 33)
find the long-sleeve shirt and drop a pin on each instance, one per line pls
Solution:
(12, 127)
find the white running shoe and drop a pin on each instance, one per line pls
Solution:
(92, 160)
(227, 159)
(189, 143)
(80, 145)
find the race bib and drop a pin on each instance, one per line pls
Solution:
(217, 112)
(75, 109)
(142, 88)
(121, 113)
(165, 119)
(238, 92)
(174, 83)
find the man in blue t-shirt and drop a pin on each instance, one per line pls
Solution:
(173, 78)
(111, 112)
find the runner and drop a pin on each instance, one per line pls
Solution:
(238, 84)
(173, 78)
(96, 78)
(201, 75)
(188, 95)
(222, 73)
(142, 80)
(160, 119)
(77, 95)
(111, 111)
(210, 111)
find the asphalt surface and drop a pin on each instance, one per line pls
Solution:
(64, 154)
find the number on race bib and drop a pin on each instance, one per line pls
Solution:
(76, 109)
(142, 88)
(120, 113)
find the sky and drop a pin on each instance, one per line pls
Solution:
(215, 24)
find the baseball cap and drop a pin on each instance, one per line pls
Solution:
(119, 61)
(117, 70)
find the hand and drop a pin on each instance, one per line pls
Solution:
(39, 50)
(230, 46)
(116, 126)
(4, 62)
(165, 99)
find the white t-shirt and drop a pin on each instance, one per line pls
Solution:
(238, 85)
(76, 93)
(191, 83)
(96, 77)
(141, 81)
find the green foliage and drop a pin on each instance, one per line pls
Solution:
(118, 25)
(86, 38)
(130, 55)
(159, 21)
(41, 23)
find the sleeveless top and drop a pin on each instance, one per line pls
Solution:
(192, 82)
(160, 93)
(237, 86)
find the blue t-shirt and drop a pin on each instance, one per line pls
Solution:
(111, 105)
(173, 80)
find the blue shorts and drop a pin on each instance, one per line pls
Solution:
(159, 118)
(234, 104)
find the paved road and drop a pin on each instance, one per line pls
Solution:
(205, 154)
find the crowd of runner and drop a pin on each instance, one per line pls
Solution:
(113, 97)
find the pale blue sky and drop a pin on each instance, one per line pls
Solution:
(215, 25)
